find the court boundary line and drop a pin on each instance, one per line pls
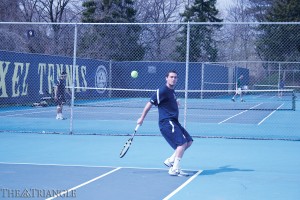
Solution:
(87, 166)
(264, 119)
(92, 166)
(106, 174)
(233, 116)
(85, 183)
(246, 110)
(55, 164)
(154, 135)
(183, 185)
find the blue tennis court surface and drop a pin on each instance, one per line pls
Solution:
(87, 182)
(260, 161)
(230, 169)
(244, 123)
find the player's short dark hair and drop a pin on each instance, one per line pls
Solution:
(171, 71)
(63, 73)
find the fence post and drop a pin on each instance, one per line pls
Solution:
(73, 80)
(202, 80)
(186, 72)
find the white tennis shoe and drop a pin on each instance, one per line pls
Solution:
(168, 163)
(60, 117)
(177, 172)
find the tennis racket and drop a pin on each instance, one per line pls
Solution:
(128, 143)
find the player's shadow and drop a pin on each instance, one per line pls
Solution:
(224, 169)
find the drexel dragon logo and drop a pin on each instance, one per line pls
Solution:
(101, 79)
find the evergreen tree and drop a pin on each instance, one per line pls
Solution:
(280, 42)
(284, 11)
(119, 42)
(202, 43)
(259, 8)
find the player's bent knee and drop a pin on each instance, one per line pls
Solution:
(183, 146)
(189, 144)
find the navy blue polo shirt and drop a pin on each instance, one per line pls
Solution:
(61, 88)
(165, 100)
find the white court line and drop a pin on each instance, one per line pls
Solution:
(232, 117)
(83, 184)
(183, 185)
(87, 166)
(25, 110)
(28, 113)
(269, 115)
(239, 114)
(54, 164)
(112, 171)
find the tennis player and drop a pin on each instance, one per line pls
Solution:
(59, 95)
(177, 137)
(281, 87)
(238, 89)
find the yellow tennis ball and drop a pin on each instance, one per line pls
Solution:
(134, 74)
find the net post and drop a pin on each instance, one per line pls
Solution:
(294, 101)
(279, 78)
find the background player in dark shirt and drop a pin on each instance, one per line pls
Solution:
(281, 87)
(59, 95)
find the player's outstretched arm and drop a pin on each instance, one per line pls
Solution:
(144, 113)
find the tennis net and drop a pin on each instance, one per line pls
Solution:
(296, 88)
(191, 99)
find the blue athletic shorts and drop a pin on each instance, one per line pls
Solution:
(174, 133)
(60, 101)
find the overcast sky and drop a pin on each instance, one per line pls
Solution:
(224, 3)
(222, 6)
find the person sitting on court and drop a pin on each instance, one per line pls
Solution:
(238, 89)
(176, 135)
(59, 95)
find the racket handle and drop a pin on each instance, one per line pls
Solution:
(137, 127)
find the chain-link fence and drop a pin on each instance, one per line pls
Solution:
(99, 58)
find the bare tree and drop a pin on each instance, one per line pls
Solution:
(12, 36)
(238, 38)
(56, 37)
(51, 10)
(28, 9)
(60, 36)
(9, 10)
(158, 37)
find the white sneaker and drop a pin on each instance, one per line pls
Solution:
(168, 163)
(177, 172)
(60, 117)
